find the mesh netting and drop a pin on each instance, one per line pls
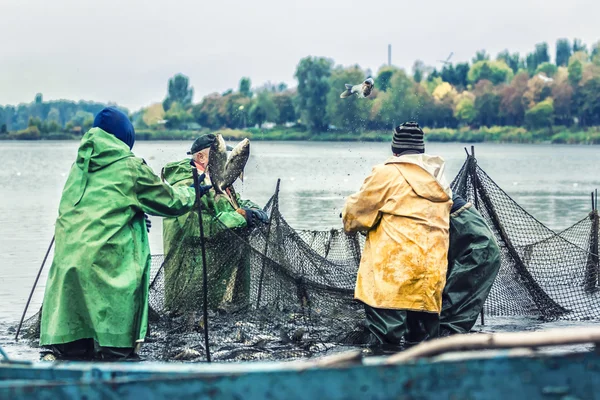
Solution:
(542, 273)
(278, 293)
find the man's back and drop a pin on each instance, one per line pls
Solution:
(406, 210)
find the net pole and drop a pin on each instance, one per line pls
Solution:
(262, 269)
(476, 200)
(204, 272)
(37, 278)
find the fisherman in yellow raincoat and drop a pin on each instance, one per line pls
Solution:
(404, 205)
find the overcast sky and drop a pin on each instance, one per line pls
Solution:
(125, 51)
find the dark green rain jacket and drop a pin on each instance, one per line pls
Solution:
(183, 262)
(473, 264)
(98, 283)
(218, 211)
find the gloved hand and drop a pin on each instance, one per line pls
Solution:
(203, 189)
(148, 222)
(253, 215)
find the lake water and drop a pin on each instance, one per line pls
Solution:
(551, 182)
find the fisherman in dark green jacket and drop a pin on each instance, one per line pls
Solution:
(183, 264)
(473, 264)
(96, 298)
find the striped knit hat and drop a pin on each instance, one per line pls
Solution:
(408, 137)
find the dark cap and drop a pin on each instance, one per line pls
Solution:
(408, 138)
(204, 142)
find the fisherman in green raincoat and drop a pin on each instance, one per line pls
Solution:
(229, 273)
(96, 298)
(473, 264)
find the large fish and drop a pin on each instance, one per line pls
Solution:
(216, 163)
(361, 90)
(236, 163)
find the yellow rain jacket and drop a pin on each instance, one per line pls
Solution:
(405, 207)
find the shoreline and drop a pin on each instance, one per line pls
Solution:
(497, 135)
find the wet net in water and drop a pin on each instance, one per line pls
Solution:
(277, 293)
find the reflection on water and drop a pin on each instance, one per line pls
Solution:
(553, 183)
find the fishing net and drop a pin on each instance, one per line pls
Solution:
(272, 292)
(543, 274)
(278, 293)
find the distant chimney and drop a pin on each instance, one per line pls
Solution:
(389, 54)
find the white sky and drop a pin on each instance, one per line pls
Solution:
(125, 51)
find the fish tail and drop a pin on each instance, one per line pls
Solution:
(345, 94)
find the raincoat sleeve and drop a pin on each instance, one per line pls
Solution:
(361, 211)
(247, 203)
(227, 215)
(155, 197)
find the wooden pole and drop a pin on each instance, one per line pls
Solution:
(37, 278)
(204, 272)
(507, 340)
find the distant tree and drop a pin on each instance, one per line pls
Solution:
(87, 124)
(313, 75)
(589, 105)
(512, 60)
(234, 109)
(562, 93)
(419, 71)
(563, 52)
(402, 103)
(547, 68)
(579, 46)
(384, 76)
(54, 116)
(531, 63)
(495, 71)
(210, 112)
(487, 103)
(541, 115)
(595, 56)
(81, 117)
(541, 53)
(537, 90)
(39, 99)
(177, 117)
(481, 55)
(512, 108)
(33, 121)
(443, 91)
(461, 72)
(434, 76)
(245, 86)
(179, 92)
(539, 56)
(282, 87)
(284, 102)
(465, 109)
(3, 129)
(153, 114)
(53, 127)
(575, 71)
(263, 109)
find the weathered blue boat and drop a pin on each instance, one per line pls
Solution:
(428, 371)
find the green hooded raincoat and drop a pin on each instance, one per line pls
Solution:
(98, 284)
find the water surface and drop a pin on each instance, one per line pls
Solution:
(552, 182)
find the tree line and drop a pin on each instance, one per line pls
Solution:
(509, 89)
